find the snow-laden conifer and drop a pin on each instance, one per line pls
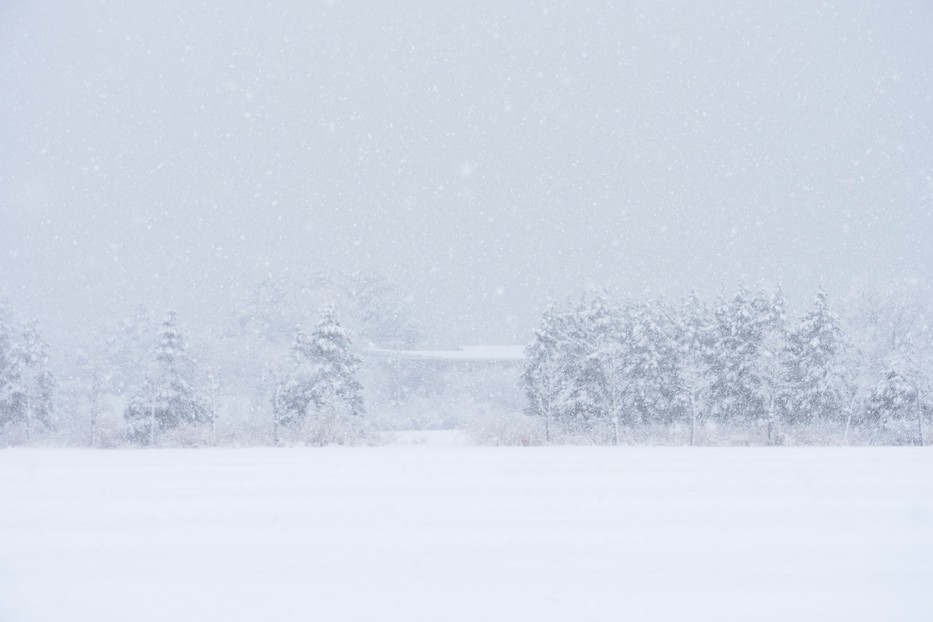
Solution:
(37, 384)
(321, 391)
(742, 359)
(26, 383)
(817, 383)
(167, 398)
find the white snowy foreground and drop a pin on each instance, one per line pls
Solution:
(467, 533)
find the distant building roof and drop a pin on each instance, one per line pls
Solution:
(463, 353)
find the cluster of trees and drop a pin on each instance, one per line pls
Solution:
(26, 384)
(318, 398)
(136, 382)
(605, 372)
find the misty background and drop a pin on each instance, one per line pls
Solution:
(486, 157)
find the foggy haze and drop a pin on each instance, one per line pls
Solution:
(485, 157)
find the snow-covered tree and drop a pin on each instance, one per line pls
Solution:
(890, 404)
(26, 383)
(167, 398)
(816, 377)
(262, 328)
(692, 334)
(11, 397)
(93, 394)
(117, 351)
(916, 370)
(742, 369)
(769, 375)
(596, 367)
(890, 343)
(650, 370)
(293, 394)
(375, 309)
(37, 383)
(336, 386)
(544, 378)
(905, 392)
(322, 391)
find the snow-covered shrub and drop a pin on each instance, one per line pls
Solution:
(333, 429)
(506, 428)
(186, 436)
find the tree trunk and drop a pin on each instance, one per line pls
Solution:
(28, 415)
(152, 409)
(615, 421)
(275, 416)
(919, 417)
(771, 421)
(845, 435)
(398, 377)
(693, 421)
(213, 417)
(94, 416)
(276, 407)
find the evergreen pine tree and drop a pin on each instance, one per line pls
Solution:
(36, 381)
(903, 397)
(335, 387)
(293, 395)
(744, 380)
(11, 397)
(167, 398)
(889, 405)
(26, 384)
(816, 379)
(322, 391)
(650, 370)
(768, 369)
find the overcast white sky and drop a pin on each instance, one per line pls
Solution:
(486, 155)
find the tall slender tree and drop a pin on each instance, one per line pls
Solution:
(692, 334)
(544, 379)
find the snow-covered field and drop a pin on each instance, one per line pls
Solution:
(467, 533)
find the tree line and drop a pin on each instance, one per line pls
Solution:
(143, 380)
(740, 370)
(612, 373)
(316, 398)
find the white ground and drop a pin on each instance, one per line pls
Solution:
(465, 533)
